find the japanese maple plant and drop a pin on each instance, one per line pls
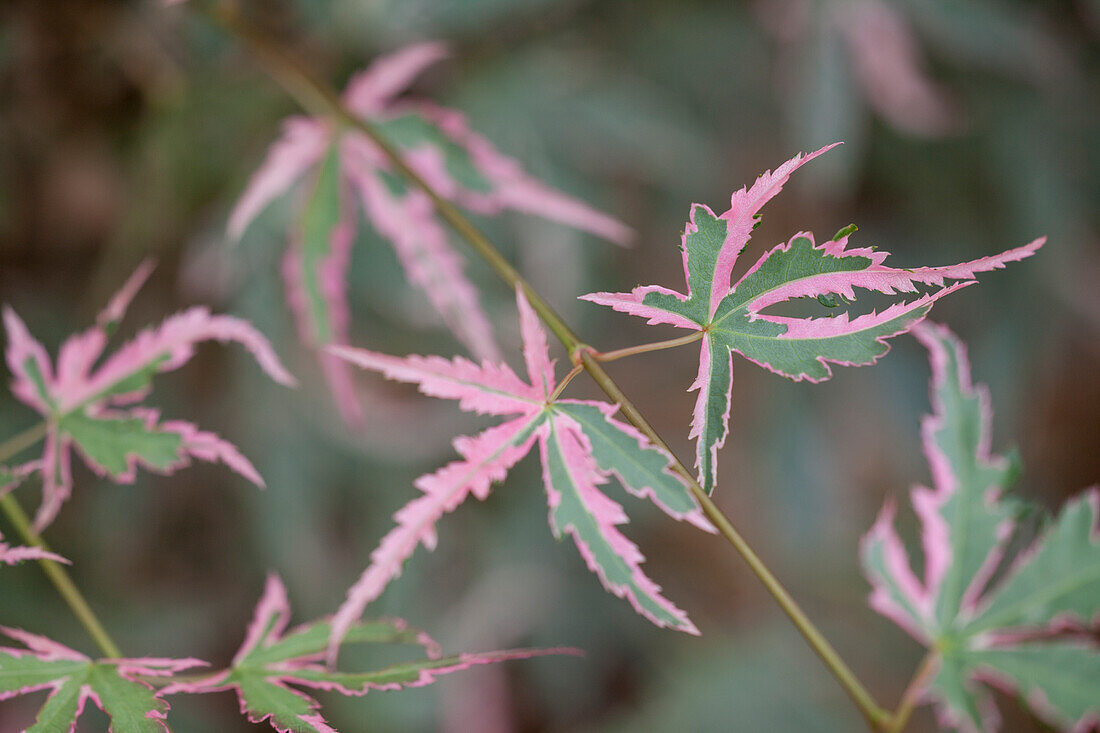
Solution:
(988, 611)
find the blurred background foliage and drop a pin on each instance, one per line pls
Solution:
(127, 130)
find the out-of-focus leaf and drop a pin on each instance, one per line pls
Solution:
(1003, 634)
(132, 705)
(272, 658)
(90, 406)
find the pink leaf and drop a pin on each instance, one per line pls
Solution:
(408, 218)
(80, 400)
(302, 145)
(741, 217)
(24, 356)
(117, 305)
(486, 458)
(492, 389)
(429, 262)
(169, 347)
(589, 515)
(208, 447)
(369, 91)
(889, 66)
(536, 352)
(515, 189)
(11, 555)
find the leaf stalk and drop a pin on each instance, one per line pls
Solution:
(19, 442)
(606, 356)
(912, 693)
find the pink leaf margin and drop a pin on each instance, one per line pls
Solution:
(607, 514)
(485, 458)
(11, 555)
(46, 649)
(745, 203)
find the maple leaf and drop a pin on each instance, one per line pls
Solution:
(800, 348)
(438, 144)
(272, 658)
(1027, 631)
(884, 62)
(92, 407)
(580, 443)
(132, 704)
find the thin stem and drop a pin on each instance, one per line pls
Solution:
(876, 716)
(310, 92)
(565, 382)
(606, 356)
(19, 442)
(60, 578)
(912, 693)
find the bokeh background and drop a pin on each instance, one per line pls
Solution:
(127, 130)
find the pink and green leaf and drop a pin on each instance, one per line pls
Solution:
(579, 508)
(486, 459)
(113, 685)
(81, 401)
(643, 469)
(438, 144)
(580, 444)
(408, 221)
(315, 271)
(271, 660)
(733, 320)
(1001, 634)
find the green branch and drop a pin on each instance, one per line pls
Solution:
(53, 570)
(60, 579)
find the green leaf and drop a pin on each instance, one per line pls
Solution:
(1059, 580)
(113, 443)
(1059, 677)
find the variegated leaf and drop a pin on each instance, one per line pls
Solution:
(88, 401)
(580, 444)
(272, 662)
(113, 685)
(439, 146)
(1004, 634)
(732, 317)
